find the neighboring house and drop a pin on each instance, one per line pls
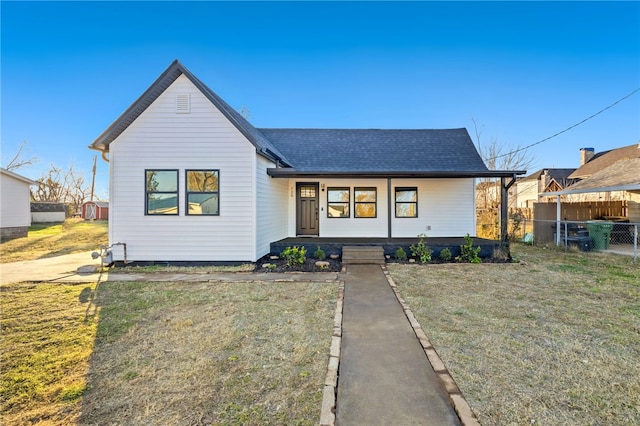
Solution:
(15, 216)
(488, 194)
(48, 212)
(193, 180)
(95, 210)
(621, 176)
(604, 164)
(531, 189)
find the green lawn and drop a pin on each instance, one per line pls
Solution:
(49, 240)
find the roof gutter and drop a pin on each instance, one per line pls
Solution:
(630, 187)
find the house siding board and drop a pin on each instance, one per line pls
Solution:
(271, 202)
(445, 205)
(162, 139)
(14, 204)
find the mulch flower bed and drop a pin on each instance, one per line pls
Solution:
(309, 265)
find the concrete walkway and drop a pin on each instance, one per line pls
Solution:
(385, 378)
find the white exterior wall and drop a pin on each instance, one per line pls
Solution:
(272, 204)
(203, 139)
(48, 217)
(447, 206)
(15, 208)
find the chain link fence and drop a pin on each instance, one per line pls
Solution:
(592, 235)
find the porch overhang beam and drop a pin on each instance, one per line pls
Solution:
(504, 204)
(293, 173)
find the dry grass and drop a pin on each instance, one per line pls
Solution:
(555, 340)
(168, 353)
(49, 240)
(46, 343)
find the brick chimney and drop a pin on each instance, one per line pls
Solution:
(544, 180)
(586, 154)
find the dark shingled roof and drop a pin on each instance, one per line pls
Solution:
(431, 153)
(374, 150)
(559, 175)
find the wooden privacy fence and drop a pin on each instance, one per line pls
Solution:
(573, 212)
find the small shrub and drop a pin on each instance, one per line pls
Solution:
(400, 254)
(468, 253)
(420, 250)
(294, 256)
(320, 254)
(445, 255)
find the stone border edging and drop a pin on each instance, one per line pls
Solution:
(328, 410)
(460, 405)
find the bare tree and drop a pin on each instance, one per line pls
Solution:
(500, 156)
(497, 156)
(18, 160)
(62, 186)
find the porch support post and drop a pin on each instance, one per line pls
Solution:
(504, 207)
(558, 217)
(389, 233)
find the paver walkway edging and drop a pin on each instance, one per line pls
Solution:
(459, 403)
(328, 410)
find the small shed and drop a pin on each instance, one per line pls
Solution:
(95, 210)
(48, 212)
(15, 217)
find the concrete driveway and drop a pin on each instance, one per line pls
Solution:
(50, 269)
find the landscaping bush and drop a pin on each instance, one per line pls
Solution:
(468, 253)
(294, 255)
(320, 254)
(420, 250)
(445, 255)
(400, 254)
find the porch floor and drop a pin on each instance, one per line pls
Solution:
(389, 245)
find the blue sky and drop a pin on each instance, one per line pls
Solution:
(524, 71)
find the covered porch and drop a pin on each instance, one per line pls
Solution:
(333, 245)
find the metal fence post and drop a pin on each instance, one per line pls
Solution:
(635, 243)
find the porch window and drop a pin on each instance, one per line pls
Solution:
(338, 202)
(203, 196)
(161, 192)
(406, 202)
(364, 202)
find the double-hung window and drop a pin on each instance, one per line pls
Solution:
(203, 192)
(406, 202)
(338, 202)
(364, 202)
(161, 192)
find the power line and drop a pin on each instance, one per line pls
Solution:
(568, 128)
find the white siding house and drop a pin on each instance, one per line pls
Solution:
(15, 211)
(191, 180)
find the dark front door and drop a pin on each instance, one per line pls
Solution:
(307, 209)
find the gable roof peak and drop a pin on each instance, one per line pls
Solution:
(175, 70)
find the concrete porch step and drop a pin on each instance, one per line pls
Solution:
(362, 255)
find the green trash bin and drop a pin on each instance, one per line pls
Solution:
(600, 233)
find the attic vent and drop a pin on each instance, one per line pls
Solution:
(183, 103)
